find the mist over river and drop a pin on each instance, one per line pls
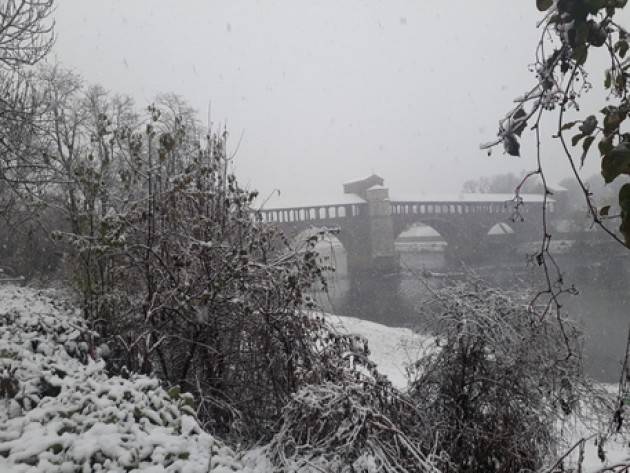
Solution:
(601, 307)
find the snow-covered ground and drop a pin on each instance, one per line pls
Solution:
(391, 348)
(60, 412)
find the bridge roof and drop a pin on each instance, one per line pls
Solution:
(463, 197)
(283, 202)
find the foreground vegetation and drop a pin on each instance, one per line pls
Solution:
(62, 412)
(476, 403)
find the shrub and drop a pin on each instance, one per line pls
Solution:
(500, 381)
(353, 426)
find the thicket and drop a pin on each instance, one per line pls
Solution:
(491, 396)
(174, 266)
(573, 34)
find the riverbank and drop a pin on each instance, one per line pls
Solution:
(72, 415)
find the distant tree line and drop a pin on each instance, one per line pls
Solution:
(501, 184)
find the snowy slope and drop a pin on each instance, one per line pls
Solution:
(393, 349)
(63, 414)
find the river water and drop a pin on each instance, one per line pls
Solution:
(602, 307)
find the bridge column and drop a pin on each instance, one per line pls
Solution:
(382, 251)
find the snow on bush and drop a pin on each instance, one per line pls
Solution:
(62, 413)
(362, 426)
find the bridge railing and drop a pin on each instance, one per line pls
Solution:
(313, 214)
(344, 211)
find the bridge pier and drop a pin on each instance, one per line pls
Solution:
(382, 254)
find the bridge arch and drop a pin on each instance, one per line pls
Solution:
(499, 229)
(451, 231)
(420, 246)
(420, 231)
(463, 237)
(332, 252)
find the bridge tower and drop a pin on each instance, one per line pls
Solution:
(378, 252)
(382, 250)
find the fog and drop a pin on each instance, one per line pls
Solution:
(318, 93)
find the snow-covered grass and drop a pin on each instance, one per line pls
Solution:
(62, 413)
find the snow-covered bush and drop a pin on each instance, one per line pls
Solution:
(62, 413)
(361, 426)
(501, 381)
(182, 278)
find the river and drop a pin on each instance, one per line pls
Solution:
(602, 306)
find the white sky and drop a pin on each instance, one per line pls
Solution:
(325, 90)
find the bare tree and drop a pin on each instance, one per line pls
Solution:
(26, 36)
(26, 32)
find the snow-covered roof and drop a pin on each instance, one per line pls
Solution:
(286, 202)
(557, 188)
(552, 185)
(362, 179)
(282, 202)
(462, 197)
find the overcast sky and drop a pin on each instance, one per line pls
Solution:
(325, 91)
